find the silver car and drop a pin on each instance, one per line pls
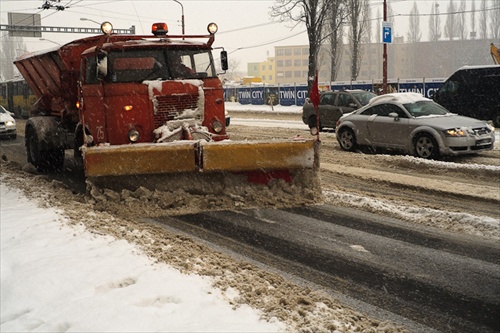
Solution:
(413, 124)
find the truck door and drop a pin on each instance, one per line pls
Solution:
(92, 95)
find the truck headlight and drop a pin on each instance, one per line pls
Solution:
(217, 126)
(133, 135)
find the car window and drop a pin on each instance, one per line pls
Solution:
(2, 110)
(364, 97)
(369, 111)
(345, 100)
(391, 108)
(425, 108)
(327, 99)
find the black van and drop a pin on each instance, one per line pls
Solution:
(473, 91)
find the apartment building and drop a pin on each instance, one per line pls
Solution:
(405, 60)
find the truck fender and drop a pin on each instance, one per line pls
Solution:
(48, 132)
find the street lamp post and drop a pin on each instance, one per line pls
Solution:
(48, 40)
(86, 19)
(182, 17)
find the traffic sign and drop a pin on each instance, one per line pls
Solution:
(387, 32)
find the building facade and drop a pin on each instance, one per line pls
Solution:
(405, 60)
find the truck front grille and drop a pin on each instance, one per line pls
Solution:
(171, 106)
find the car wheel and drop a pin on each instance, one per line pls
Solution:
(347, 139)
(425, 146)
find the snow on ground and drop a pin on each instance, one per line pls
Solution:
(57, 278)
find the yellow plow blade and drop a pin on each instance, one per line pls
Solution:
(139, 159)
(258, 155)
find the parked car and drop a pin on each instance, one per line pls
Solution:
(413, 124)
(332, 105)
(472, 91)
(7, 124)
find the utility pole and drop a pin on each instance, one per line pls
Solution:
(384, 61)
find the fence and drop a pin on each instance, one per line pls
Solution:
(295, 94)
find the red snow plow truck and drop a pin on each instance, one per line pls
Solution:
(131, 106)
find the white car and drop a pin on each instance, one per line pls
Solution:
(7, 124)
(413, 124)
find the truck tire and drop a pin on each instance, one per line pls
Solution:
(42, 159)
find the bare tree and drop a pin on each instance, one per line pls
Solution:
(414, 33)
(461, 24)
(473, 19)
(495, 20)
(311, 12)
(11, 47)
(358, 24)
(450, 26)
(434, 23)
(483, 20)
(334, 28)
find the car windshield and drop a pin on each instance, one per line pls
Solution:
(364, 97)
(425, 108)
(2, 109)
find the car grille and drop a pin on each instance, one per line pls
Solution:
(481, 131)
(169, 107)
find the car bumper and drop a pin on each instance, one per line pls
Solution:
(6, 131)
(467, 145)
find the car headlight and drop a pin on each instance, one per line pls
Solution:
(10, 123)
(455, 132)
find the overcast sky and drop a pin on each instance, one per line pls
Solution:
(243, 25)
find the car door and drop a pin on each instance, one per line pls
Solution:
(328, 112)
(389, 126)
(346, 103)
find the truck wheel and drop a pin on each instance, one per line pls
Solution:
(43, 160)
(347, 139)
(425, 146)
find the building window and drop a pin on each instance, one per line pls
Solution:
(270, 77)
(305, 51)
(297, 74)
(270, 67)
(279, 52)
(263, 67)
(297, 51)
(288, 73)
(305, 62)
(263, 78)
(288, 52)
(297, 62)
(288, 63)
(279, 63)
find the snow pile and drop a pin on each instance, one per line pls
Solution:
(483, 226)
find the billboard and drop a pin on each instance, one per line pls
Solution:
(25, 20)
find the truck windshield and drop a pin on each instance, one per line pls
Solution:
(159, 64)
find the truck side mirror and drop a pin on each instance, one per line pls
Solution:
(223, 60)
